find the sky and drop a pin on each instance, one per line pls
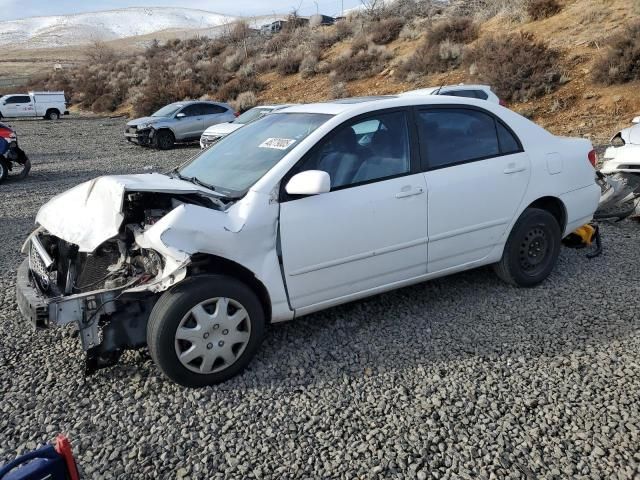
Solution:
(14, 9)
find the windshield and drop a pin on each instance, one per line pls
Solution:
(167, 111)
(251, 115)
(239, 160)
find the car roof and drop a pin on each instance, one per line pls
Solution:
(448, 88)
(191, 102)
(364, 104)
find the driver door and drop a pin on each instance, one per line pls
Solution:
(370, 230)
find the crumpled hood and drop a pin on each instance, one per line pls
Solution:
(222, 128)
(91, 213)
(144, 120)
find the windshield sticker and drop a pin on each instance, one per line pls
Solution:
(277, 143)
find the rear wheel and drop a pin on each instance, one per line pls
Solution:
(4, 169)
(532, 249)
(164, 139)
(52, 115)
(205, 330)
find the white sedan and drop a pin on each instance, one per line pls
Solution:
(307, 208)
(216, 132)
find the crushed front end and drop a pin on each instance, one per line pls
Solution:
(107, 292)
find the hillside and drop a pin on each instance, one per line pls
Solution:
(84, 28)
(550, 63)
(578, 108)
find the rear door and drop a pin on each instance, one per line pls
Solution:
(477, 174)
(213, 114)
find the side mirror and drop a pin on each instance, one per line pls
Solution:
(311, 182)
(636, 120)
(180, 115)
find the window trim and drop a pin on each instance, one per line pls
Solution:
(424, 162)
(414, 154)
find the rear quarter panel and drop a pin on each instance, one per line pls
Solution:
(560, 168)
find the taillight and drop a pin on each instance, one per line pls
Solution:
(236, 114)
(502, 102)
(593, 158)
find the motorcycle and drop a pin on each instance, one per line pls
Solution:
(619, 176)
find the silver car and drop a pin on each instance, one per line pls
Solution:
(177, 122)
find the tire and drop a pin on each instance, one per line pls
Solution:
(532, 249)
(52, 115)
(4, 169)
(176, 311)
(164, 139)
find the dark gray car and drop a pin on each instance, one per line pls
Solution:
(177, 122)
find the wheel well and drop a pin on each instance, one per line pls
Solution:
(206, 263)
(52, 110)
(555, 207)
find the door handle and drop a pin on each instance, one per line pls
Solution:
(512, 168)
(408, 192)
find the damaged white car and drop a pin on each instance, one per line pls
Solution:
(307, 208)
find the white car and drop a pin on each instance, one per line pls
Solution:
(481, 92)
(624, 154)
(307, 208)
(48, 105)
(214, 133)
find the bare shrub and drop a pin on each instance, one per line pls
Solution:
(360, 64)
(338, 90)
(325, 39)
(442, 49)
(343, 29)
(541, 9)
(518, 66)
(266, 64)
(456, 29)
(386, 31)
(289, 62)
(236, 86)
(245, 101)
(308, 66)
(621, 61)
(359, 44)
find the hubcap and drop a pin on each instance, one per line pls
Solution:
(534, 249)
(212, 335)
(1, 170)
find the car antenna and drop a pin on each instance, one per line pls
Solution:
(437, 92)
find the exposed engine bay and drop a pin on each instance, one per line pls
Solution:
(102, 291)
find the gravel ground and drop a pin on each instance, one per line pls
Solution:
(463, 377)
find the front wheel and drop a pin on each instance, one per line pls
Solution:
(532, 249)
(164, 139)
(205, 330)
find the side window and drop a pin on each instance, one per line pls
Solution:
(508, 143)
(191, 110)
(363, 151)
(15, 99)
(25, 99)
(481, 94)
(209, 109)
(449, 136)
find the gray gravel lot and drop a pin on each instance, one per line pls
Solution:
(463, 377)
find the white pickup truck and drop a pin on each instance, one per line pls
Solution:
(49, 105)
